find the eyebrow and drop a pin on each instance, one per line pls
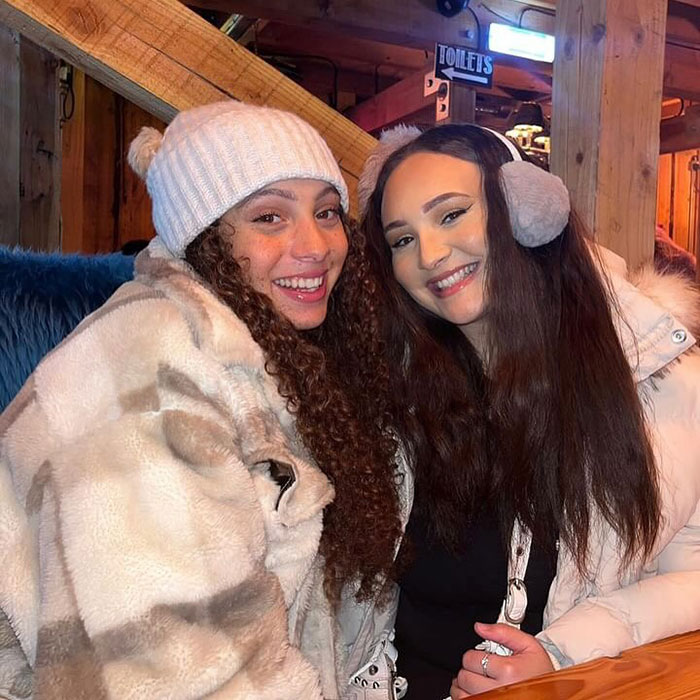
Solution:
(440, 199)
(285, 194)
(431, 204)
(288, 194)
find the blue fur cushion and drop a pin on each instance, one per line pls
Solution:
(43, 296)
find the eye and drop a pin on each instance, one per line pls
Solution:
(453, 215)
(267, 218)
(331, 214)
(401, 242)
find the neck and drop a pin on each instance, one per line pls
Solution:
(475, 333)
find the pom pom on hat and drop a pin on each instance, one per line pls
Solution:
(389, 141)
(143, 148)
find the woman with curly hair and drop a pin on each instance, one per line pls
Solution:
(550, 408)
(189, 481)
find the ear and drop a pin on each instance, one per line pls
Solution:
(538, 202)
(389, 141)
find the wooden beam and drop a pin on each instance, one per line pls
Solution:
(40, 149)
(682, 72)
(405, 98)
(606, 110)
(393, 104)
(165, 58)
(681, 133)
(408, 23)
(9, 136)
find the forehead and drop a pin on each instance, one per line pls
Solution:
(422, 176)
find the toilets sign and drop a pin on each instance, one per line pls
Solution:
(463, 65)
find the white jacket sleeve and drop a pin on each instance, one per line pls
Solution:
(653, 608)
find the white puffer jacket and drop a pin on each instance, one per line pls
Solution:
(586, 619)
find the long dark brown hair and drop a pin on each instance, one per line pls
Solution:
(335, 381)
(552, 429)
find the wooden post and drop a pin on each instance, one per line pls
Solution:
(606, 107)
(455, 104)
(9, 136)
(40, 149)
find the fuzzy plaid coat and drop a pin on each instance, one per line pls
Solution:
(159, 518)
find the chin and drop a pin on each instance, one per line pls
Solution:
(307, 322)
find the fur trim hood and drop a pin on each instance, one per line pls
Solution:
(672, 292)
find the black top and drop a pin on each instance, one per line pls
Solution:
(443, 595)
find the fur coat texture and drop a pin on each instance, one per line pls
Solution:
(159, 516)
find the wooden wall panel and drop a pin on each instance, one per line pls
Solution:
(678, 197)
(663, 191)
(9, 136)
(134, 212)
(683, 199)
(40, 149)
(100, 181)
(73, 170)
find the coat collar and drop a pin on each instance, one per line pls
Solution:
(651, 335)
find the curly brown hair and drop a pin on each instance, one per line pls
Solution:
(336, 381)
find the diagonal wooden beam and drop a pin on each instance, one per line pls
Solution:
(162, 56)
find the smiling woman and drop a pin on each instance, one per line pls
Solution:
(543, 400)
(191, 476)
(291, 243)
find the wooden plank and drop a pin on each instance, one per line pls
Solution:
(663, 192)
(134, 210)
(9, 136)
(40, 149)
(681, 71)
(681, 133)
(605, 117)
(664, 670)
(682, 198)
(163, 57)
(100, 233)
(395, 103)
(73, 170)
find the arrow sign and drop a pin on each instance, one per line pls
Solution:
(453, 74)
(462, 64)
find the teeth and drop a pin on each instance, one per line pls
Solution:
(457, 276)
(310, 284)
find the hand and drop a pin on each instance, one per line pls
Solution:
(529, 659)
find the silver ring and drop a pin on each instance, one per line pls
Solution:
(485, 665)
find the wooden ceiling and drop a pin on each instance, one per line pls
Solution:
(348, 52)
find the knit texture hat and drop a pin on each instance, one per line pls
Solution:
(210, 158)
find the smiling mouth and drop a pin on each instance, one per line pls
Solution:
(445, 286)
(301, 284)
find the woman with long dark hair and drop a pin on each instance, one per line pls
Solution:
(190, 480)
(550, 410)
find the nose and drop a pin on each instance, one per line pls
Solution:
(432, 250)
(309, 242)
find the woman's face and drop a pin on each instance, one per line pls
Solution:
(291, 244)
(434, 220)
